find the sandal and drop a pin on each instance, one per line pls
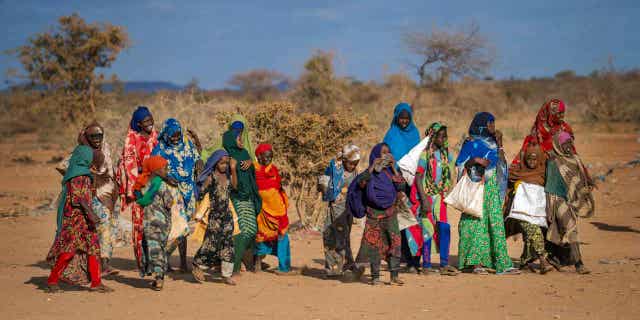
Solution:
(101, 289)
(157, 284)
(53, 288)
(509, 271)
(198, 274)
(480, 271)
(375, 282)
(228, 281)
(395, 281)
(449, 271)
(582, 270)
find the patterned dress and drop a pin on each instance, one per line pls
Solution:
(217, 247)
(137, 148)
(78, 233)
(381, 240)
(482, 240)
(157, 227)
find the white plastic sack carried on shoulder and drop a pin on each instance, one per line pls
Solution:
(467, 196)
(409, 163)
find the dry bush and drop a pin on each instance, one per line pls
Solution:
(303, 143)
(318, 89)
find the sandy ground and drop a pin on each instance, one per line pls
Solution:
(611, 249)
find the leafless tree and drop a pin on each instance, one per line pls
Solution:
(257, 83)
(443, 53)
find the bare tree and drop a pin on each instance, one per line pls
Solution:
(445, 53)
(257, 83)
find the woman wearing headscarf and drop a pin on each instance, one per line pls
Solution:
(140, 141)
(526, 205)
(244, 197)
(401, 137)
(272, 237)
(548, 123)
(217, 246)
(182, 156)
(240, 125)
(403, 134)
(433, 181)
(336, 235)
(162, 205)
(381, 238)
(76, 222)
(482, 240)
(92, 135)
(568, 189)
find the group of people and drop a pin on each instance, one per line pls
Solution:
(238, 205)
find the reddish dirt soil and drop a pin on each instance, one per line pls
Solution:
(612, 291)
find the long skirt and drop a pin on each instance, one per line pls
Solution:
(381, 240)
(157, 225)
(336, 240)
(482, 240)
(245, 241)
(217, 246)
(533, 242)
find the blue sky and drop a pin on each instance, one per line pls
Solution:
(211, 40)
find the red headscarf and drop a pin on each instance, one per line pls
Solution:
(548, 123)
(149, 165)
(262, 148)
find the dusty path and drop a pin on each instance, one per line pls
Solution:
(612, 291)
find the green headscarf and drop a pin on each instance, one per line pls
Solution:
(246, 140)
(430, 186)
(79, 165)
(247, 187)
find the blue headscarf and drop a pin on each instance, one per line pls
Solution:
(182, 157)
(139, 115)
(208, 169)
(481, 143)
(381, 192)
(480, 125)
(400, 140)
(336, 181)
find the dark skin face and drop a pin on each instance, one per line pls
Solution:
(404, 119)
(350, 166)
(265, 158)
(239, 141)
(532, 161)
(567, 147)
(384, 150)
(162, 172)
(491, 126)
(440, 138)
(175, 138)
(146, 124)
(223, 165)
(95, 137)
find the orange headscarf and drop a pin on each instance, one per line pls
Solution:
(149, 165)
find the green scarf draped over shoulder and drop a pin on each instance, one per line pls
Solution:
(79, 165)
(247, 187)
(246, 140)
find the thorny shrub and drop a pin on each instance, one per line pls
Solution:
(303, 143)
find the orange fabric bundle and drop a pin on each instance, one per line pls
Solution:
(149, 165)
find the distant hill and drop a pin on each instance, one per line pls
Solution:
(133, 86)
(145, 86)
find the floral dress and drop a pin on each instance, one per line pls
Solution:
(217, 246)
(78, 233)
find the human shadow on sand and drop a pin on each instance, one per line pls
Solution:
(613, 228)
(41, 284)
